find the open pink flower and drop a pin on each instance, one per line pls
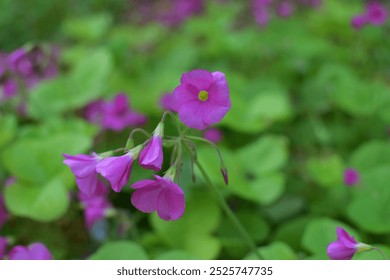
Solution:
(3, 212)
(161, 195)
(116, 170)
(376, 13)
(345, 247)
(202, 98)
(151, 157)
(84, 168)
(36, 251)
(96, 205)
(3, 246)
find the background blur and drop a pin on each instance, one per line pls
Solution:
(310, 99)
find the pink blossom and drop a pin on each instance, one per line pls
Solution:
(376, 13)
(116, 170)
(84, 168)
(151, 156)
(161, 195)
(359, 21)
(116, 115)
(95, 205)
(351, 177)
(36, 251)
(345, 247)
(285, 9)
(202, 99)
(167, 102)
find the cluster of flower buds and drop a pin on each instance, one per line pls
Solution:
(263, 9)
(201, 100)
(25, 67)
(375, 13)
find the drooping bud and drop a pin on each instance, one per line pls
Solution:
(225, 175)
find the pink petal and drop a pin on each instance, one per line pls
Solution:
(170, 205)
(345, 238)
(145, 199)
(337, 251)
(201, 79)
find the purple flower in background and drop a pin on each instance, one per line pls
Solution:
(96, 205)
(376, 13)
(3, 246)
(115, 115)
(151, 156)
(213, 134)
(285, 9)
(180, 11)
(18, 62)
(36, 251)
(351, 177)
(202, 99)
(345, 247)
(84, 168)
(3, 212)
(167, 102)
(359, 21)
(161, 195)
(116, 170)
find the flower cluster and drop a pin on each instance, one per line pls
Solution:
(116, 114)
(201, 99)
(263, 9)
(35, 251)
(25, 67)
(375, 14)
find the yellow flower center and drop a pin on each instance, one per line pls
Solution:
(203, 95)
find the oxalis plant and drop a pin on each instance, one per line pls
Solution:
(201, 100)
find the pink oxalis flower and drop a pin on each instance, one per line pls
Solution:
(345, 247)
(202, 98)
(161, 195)
(376, 13)
(84, 168)
(151, 156)
(351, 177)
(36, 251)
(96, 205)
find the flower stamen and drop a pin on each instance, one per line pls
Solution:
(203, 95)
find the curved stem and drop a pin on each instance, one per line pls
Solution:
(166, 113)
(229, 212)
(210, 143)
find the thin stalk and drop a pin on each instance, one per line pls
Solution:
(233, 218)
(381, 252)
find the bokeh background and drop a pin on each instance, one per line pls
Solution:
(310, 99)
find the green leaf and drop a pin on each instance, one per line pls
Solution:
(322, 231)
(44, 202)
(275, 251)
(120, 250)
(89, 28)
(175, 255)
(371, 155)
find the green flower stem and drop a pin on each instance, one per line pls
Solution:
(233, 218)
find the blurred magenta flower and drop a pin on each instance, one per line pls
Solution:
(359, 21)
(84, 168)
(36, 251)
(96, 205)
(285, 9)
(213, 134)
(18, 62)
(161, 195)
(202, 98)
(116, 114)
(351, 177)
(180, 10)
(3, 212)
(376, 13)
(116, 170)
(345, 247)
(3, 246)
(151, 156)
